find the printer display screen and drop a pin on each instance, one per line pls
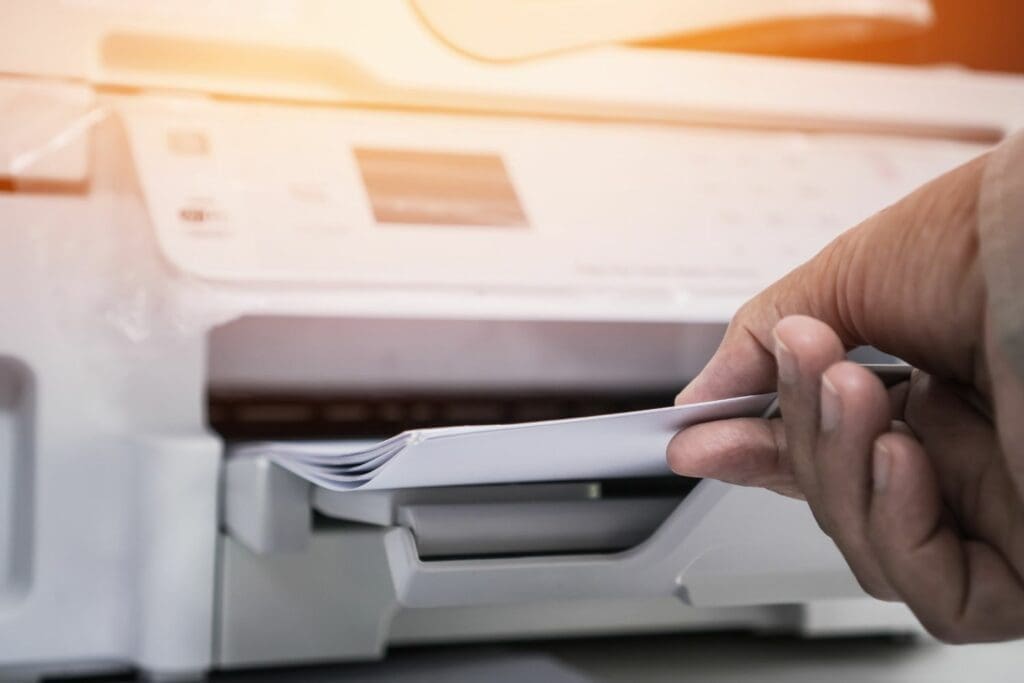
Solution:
(439, 188)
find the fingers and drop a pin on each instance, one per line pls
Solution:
(873, 489)
(804, 349)
(1007, 390)
(742, 365)
(1008, 400)
(745, 451)
(745, 363)
(966, 456)
(854, 412)
(948, 426)
(949, 549)
(960, 589)
(834, 411)
(754, 452)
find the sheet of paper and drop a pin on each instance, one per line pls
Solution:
(600, 447)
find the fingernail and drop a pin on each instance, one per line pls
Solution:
(785, 360)
(881, 461)
(831, 406)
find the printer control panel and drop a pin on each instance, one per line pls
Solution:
(693, 220)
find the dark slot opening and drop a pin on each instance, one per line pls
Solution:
(260, 415)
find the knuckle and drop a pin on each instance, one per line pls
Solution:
(821, 516)
(826, 522)
(746, 311)
(873, 586)
(880, 590)
(866, 571)
(947, 632)
(778, 436)
(952, 631)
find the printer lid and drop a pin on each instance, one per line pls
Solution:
(432, 53)
(420, 54)
(521, 29)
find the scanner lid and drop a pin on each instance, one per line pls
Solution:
(496, 56)
(514, 29)
(440, 56)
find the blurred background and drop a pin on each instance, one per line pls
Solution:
(986, 35)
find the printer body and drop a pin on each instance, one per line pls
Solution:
(327, 222)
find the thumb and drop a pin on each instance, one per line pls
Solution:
(741, 365)
(745, 361)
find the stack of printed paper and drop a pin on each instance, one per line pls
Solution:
(600, 447)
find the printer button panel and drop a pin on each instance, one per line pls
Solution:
(680, 220)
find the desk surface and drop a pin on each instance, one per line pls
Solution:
(705, 658)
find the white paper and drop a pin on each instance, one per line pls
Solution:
(599, 447)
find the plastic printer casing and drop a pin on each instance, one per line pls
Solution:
(187, 227)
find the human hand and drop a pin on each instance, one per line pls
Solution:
(920, 486)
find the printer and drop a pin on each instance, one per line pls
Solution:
(313, 219)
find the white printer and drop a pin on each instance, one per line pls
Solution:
(342, 219)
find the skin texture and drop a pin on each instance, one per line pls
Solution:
(921, 486)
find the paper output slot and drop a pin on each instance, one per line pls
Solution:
(504, 529)
(466, 522)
